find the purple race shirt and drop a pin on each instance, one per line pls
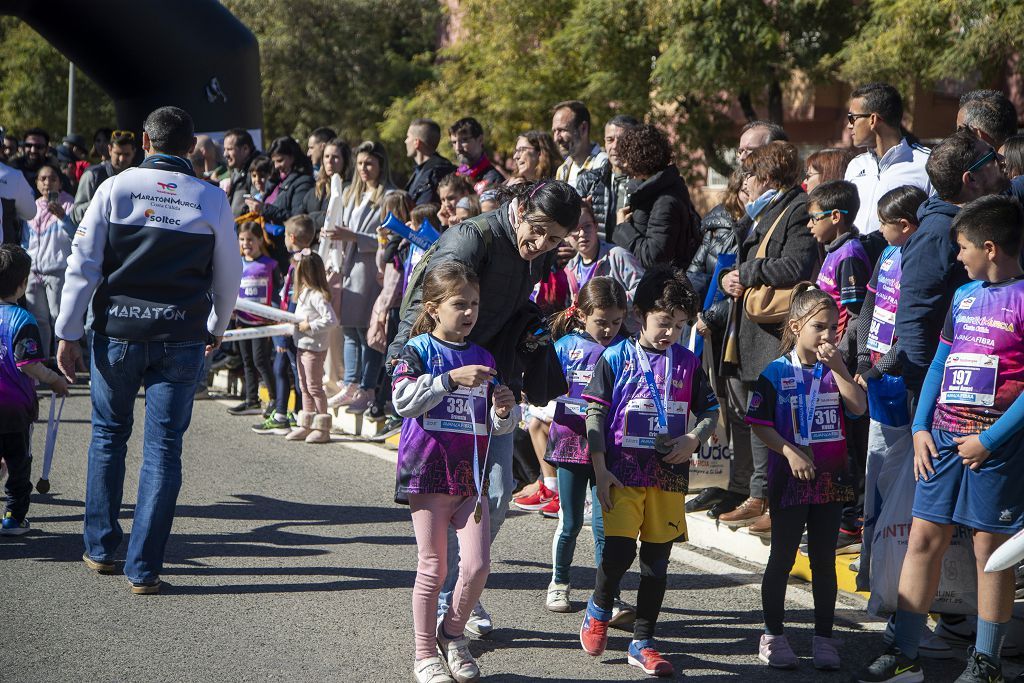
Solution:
(887, 298)
(844, 275)
(773, 403)
(257, 285)
(984, 372)
(567, 440)
(632, 426)
(435, 453)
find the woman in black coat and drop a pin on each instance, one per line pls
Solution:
(659, 223)
(791, 256)
(286, 190)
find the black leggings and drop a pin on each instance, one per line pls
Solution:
(619, 553)
(787, 527)
(258, 365)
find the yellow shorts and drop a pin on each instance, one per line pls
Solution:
(656, 516)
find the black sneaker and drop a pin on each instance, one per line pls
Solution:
(981, 669)
(269, 410)
(848, 542)
(246, 408)
(272, 425)
(893, 666)
(727, 504)
(705, 499)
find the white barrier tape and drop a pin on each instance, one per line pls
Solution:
(267, 312)
(52, 426)
(283, 330)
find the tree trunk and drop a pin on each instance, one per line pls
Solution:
(747, 106)
(775, 102)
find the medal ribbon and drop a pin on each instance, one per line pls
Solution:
(661, 406)
(805, 403)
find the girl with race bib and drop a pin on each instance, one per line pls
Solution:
(649, 407)
(583, 332)
(260, 279)
(445, 388)
(798, 409)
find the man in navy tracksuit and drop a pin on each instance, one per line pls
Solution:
(157, 255)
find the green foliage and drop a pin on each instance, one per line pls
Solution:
(906, 42)
(35, 86)
(338, 62)
(516, 58)
(724, 52)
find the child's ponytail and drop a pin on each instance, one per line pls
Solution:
(807, 302)
(599, 292)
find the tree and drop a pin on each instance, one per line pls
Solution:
(338, 62)
(514, 59)
(911, 42)
(35, 86)
(716, 54)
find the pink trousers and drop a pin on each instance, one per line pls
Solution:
(432, 513)
(311, 380)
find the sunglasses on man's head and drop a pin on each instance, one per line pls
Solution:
(123, 134)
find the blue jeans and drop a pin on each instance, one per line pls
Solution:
(574, 483)
(362, 364)
(168, 371)
(499, 495)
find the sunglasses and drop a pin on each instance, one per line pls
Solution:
(985, 158)
(852, 118)
(818, 215)
(123, 134)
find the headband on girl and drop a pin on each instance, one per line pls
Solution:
(299, 254)
(539, 185)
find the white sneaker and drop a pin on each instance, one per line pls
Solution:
(931, 646)
(431, 670)
(558, 597)
(460, 660)
(479, 623)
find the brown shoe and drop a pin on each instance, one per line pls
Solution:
(98, 566)
(746, 514)
(762, 526)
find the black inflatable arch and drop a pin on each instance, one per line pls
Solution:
(193, 54)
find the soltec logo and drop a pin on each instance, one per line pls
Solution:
(152, 216)
(167, 188)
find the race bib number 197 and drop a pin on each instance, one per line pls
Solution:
(969, 379)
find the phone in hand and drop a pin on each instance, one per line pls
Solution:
(247, 196)
(52, 197)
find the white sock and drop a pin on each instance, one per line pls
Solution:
(551, 483)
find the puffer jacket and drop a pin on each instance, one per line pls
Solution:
(596, 183)
(291, 197)
(506, 281)
(718, 230)
(663, 225)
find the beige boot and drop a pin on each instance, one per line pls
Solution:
(321, 429)
(304, 422)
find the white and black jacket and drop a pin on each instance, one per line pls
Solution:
(155, 251)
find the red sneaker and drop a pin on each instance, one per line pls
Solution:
(649, 660)
(594, 631)
(551, 509)
(537, 500)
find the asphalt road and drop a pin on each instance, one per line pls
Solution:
(290, 562)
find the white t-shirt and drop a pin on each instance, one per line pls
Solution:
(904, 164)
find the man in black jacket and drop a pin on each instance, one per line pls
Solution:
(239, 151)
(421, 143)
(606, 186)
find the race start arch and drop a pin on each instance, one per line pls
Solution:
(193, 54)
